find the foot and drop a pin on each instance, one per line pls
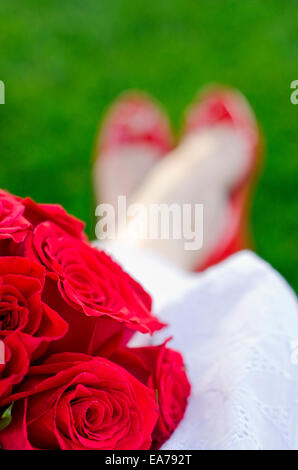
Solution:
(134, 135)
(219, 108)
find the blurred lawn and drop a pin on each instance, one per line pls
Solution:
(63, 62)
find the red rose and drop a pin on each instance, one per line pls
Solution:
(92, 293)
(74, 401)
(13, 224)
(18, 216)
(21, 308)
(163, 370)
(37, 213)
(14, 364)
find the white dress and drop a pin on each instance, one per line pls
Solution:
(237, 326)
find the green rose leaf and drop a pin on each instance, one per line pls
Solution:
(5, 418)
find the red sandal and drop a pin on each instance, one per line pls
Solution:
(222, 105)
(135, 119)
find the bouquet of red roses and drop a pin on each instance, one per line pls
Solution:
(68, 380)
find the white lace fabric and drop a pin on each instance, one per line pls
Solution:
(236, 325)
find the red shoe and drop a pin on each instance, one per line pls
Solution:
(222, 105)
(135, 118)
(134, 121)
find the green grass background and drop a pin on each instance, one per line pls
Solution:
(64, 61)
